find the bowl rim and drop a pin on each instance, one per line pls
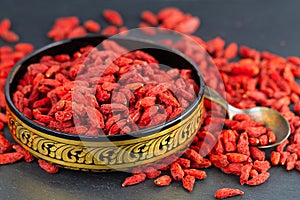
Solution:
(132, 135)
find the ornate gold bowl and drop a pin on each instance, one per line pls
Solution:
(105, 153)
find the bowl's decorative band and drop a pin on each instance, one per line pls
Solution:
(107, 155)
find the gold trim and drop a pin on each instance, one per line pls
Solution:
(110, 155)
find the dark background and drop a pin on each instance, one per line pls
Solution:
(264, 25)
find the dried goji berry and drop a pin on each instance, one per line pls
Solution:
(193, 155)
(261, 166)
(188, 182)
(92, 26)
(227, 192)
(184, 163)
(245, 173)
(259, 179)
(27, 156)
(135, 179)
(163, 180)
(219, 160)
(257, 154)
(8, 158)
(48, 167)
(152, 172)
(5, 145)
(275, 157)
(236, 157)
(198, 174)
(233, 168)
(113, 17)
(291, 161)
(176, 171)
(149, 17)
(9, 36)
(283, 157)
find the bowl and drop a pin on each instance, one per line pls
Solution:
(105, 153)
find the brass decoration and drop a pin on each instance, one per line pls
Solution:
(107, 155)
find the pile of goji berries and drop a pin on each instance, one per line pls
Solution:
(256, 79)
(103, 92)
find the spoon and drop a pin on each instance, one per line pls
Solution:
(271, 118)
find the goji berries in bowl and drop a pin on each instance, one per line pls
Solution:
(45, 117)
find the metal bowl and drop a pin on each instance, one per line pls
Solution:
(105, 153)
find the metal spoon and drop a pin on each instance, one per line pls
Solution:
(272, 119)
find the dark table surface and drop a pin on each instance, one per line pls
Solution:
(264, 25)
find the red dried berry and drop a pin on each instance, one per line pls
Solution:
(163, 180)
(92, 26)
(227, 192)
(48, 167)
(135, 179)
(113, 17)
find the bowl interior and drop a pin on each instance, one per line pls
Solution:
(165, 55)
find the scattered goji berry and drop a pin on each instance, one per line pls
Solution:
(261, 166)
(188, 182)
(291, 161)
(149, 17)
(227, 192)
(245, 173)
(92, 26)
(163, 180)
(27, 156)
(135, 179)
(198, 174)
(275, 158)
(259, 179)
(113, 17)
(176, 171)
(48, 167)
(152, 172)
(8, 158)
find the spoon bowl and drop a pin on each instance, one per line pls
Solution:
(270, 117)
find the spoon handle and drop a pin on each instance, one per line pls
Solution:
(212, 95)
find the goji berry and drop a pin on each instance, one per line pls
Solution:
(149, 17)
(176, 171)
(245, 173)
(233, 168)
(231, 51)
(135, 179)
(184, 163)
(193, 155)
(113, 17)
(227, 192)
(152, 172)
(92, 26)
(259, 179)
(27, 156)
(236, 157)
(257, 154)
(188, 182)
(163, 180)
(261, 166)
(8, 158)
(198, 174)
(109, 30)
(219, 160)
(48, 167)
(5, 145)
(283, 157)
(291, 161)
(275, 158)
